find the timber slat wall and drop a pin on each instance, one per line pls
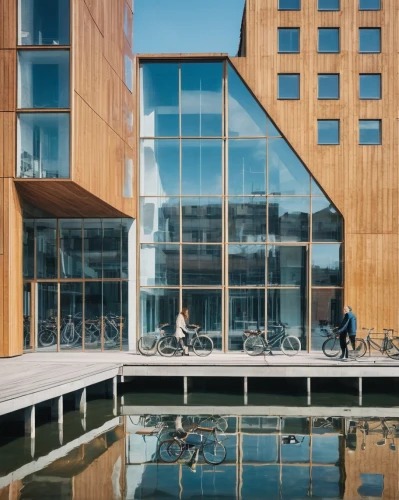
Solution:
(362, 181)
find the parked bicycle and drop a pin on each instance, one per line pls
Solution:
(331, 347)
(148, 343)
(202, 345)
(258, 343)
(388, 345)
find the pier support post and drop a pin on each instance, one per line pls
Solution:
(30, 427)
(115, 395)
(80, 404)
(185, 392)
(57, 415)
(360, 391)
(308, 384)
(245, 390)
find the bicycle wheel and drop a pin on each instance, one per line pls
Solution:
(254, 345)
(331, 347)
(214, 453)
(290, 345)
(167, 346)
(202, 345)
(393, 348)
(147, 345)
(170, 451)
(360, 349)
(111, 332)
(47, 338)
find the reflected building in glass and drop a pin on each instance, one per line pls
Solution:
(232, 225)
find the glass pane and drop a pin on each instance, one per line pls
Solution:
(272, 131)
(261, 482)
(247, 219)
(288, 86)
(29, 248)
(328, 86)
(370, 86)
(159, 115)
(93, 248)
(202, 265)
(126, 227)
(327, 222)
(46, 249)
(316, 190)
(326, 481)
(327, 265)
(287, 174)
(369, 4)
(326, 313)
(327, 132)
(247, 265)
(369, 132)
(159, 265)
(205, 309)
(43, 79)
(44, 22)
(296, 453)
(328, 40)
(125, 316)
(202, 220)
(47, 313)
(260, 448)
(325, 449)
(288, 307)
(246, 117)
(70, 248)
(157, 307)
(71, 315)
(159, 220)
(201, 99)
(246, 312)
(201, 167)
(93, 313)
(159, 167)
(43, 145)
(286, 265)
(328, 4)
(295, 482)
(247, 166)
(289, 219)
(27, 338)
(112, 248)
(288, 40)
(289, 4)
(112, 313)
(369, 40)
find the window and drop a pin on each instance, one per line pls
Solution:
(288, 40)
(328, 86)
(369, 132)
(288, 86)
(328, 40)
(369, 4)
(289, 4)
(44, 22)
(328, 5)
(370, 86)
(328, 132)
(369, 40)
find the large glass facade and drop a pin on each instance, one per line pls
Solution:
(232, 225)
(76, 284)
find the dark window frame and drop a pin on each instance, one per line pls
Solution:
(279, 29)
(339, 131)
(339, 40)
(339, 87)
(299, 87)
(379, 120)
(370, 51)
(371, 98)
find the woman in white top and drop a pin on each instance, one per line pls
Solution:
(181, 332)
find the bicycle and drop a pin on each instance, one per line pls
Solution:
(212, 449)
(148, 343)
(202, 345)
(331, 347)
(389, 345)
(257, 343)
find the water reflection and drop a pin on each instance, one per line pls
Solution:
(204, 456)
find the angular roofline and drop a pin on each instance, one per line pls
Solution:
(241, 52)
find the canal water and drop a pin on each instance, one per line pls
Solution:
(238, 455)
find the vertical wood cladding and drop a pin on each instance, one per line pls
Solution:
(362, 181)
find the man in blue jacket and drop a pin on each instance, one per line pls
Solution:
(347, 326)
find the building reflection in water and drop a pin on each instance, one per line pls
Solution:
(266, 457)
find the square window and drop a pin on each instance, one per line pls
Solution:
(328, 86)
(288, 40)
(370, 40)
(327, 132)
(288, 86)
(369, 4)
(369, 132)
(289, 4)
(370, 86)
(328, 41)
(328, 5)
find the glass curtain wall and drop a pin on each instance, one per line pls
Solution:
(232, 225)
(75, 284)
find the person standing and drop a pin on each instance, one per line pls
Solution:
(347, 326)
(181, 332)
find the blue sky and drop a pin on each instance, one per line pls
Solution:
(174, 26)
